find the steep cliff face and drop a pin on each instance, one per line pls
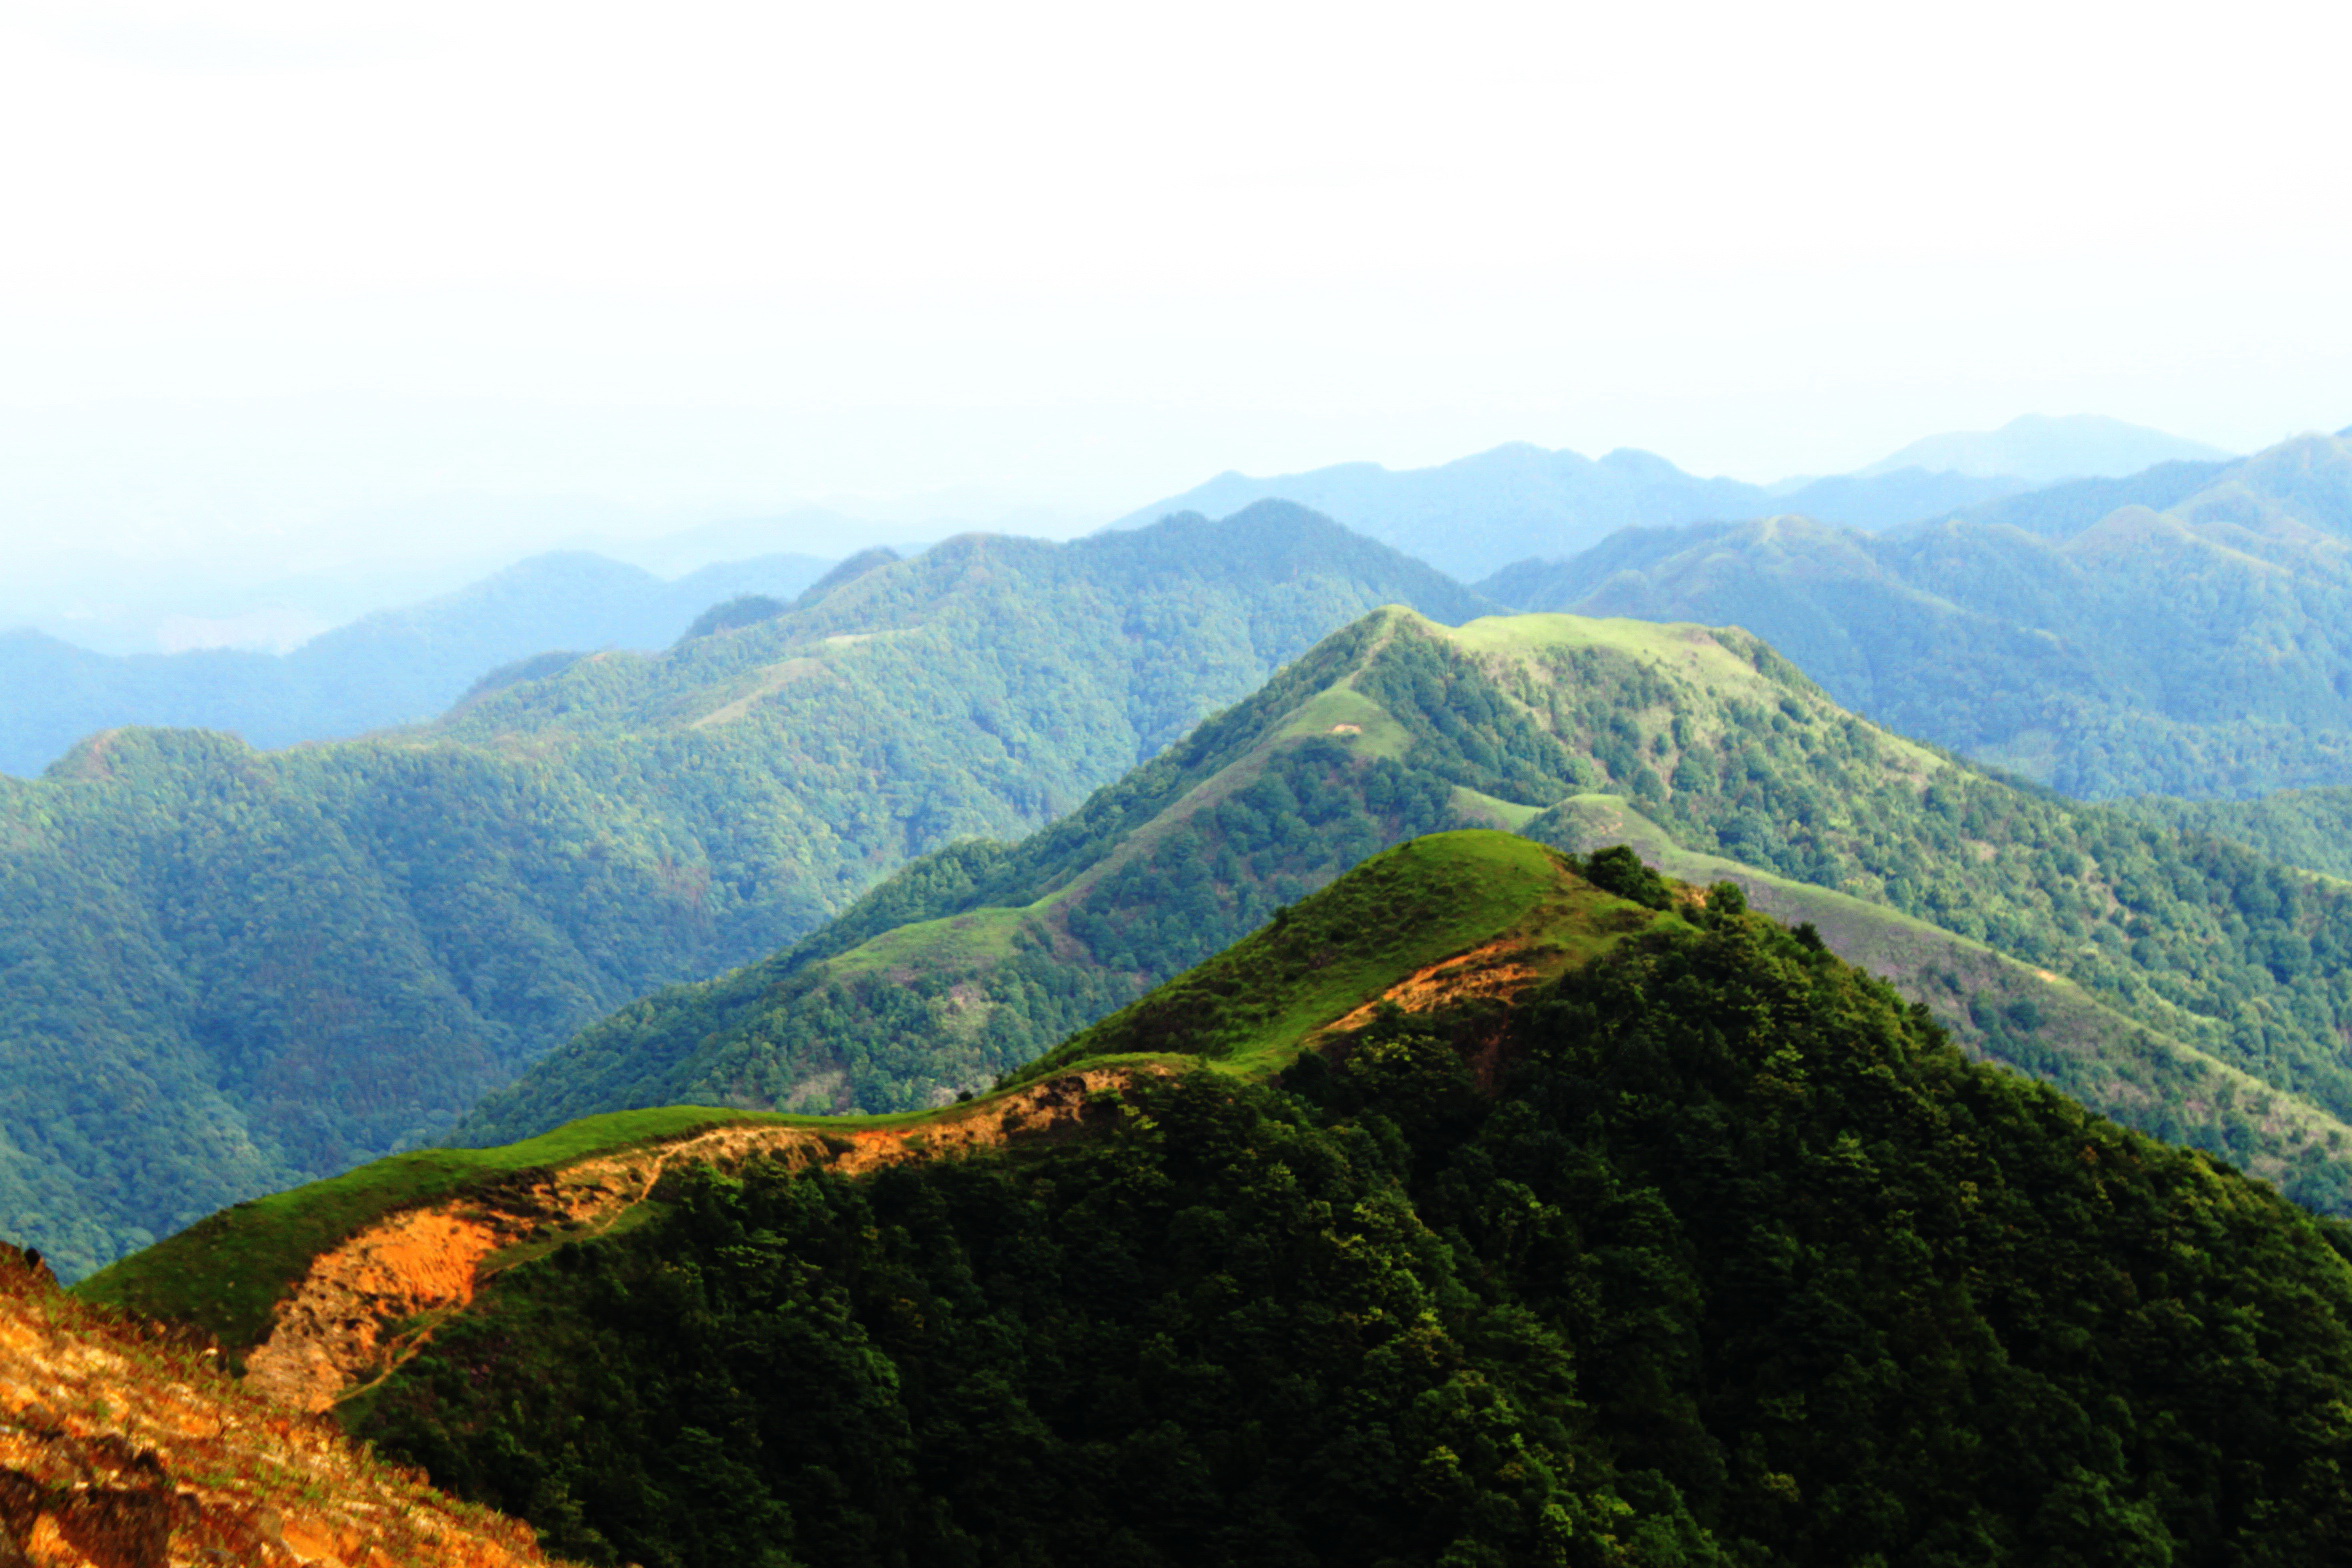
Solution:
(123, 1448)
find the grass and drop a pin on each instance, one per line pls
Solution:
(1250, 1008)
(977, 936)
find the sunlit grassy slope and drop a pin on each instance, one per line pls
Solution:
(1250, 1008)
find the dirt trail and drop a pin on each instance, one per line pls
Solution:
(121, 1448)
(368, 1304)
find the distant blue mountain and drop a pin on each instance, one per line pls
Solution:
(393, 667)
(2042, 449)
(1477, 514)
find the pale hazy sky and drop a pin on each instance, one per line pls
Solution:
(270, 270)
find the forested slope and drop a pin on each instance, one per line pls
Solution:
(2301, 827)
(224, 970)
(2179, 981)
(2186, 632)
(1708, 1250)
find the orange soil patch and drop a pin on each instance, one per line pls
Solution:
(370, 1303)
(123, 1449)
(1502, 969)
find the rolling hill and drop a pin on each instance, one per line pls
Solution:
(2185, 632)
(1481, 1208)
(224, 971)
(2173, 980)
(392, 667)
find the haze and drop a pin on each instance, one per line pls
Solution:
(297, 286)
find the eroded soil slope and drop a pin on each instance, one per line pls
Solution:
(366, 1305)
(121, 1450)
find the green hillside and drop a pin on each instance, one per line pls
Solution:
(2174, 980)
(1706, 1249)
(2311, 828)
(2185, 632)
(225, 971)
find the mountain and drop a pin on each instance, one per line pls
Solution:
(391, 667)
(2175, 981)
(2042, 449)
(224, 971)
(125, 1448)
(2082, 637)
(1481, 1209)
(1472, 516)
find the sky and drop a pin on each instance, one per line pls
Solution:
(298, 285)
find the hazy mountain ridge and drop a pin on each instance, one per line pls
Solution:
(2201, 650)
(387, 668)
(1478, 514)
(226, 970)
(2042, 449)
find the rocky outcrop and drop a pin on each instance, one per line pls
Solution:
(368, 1304)
(122, 1447)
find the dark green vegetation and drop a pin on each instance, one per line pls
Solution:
(394, 667)
(1721, 1255)
(2177, 981)
(2032, 1018)
(225, 971)
(2185, 632)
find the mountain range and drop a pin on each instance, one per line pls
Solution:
(224, 970)
(1478, 514)
(1216, 1043)
(2170, 979)
(2184, 631)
